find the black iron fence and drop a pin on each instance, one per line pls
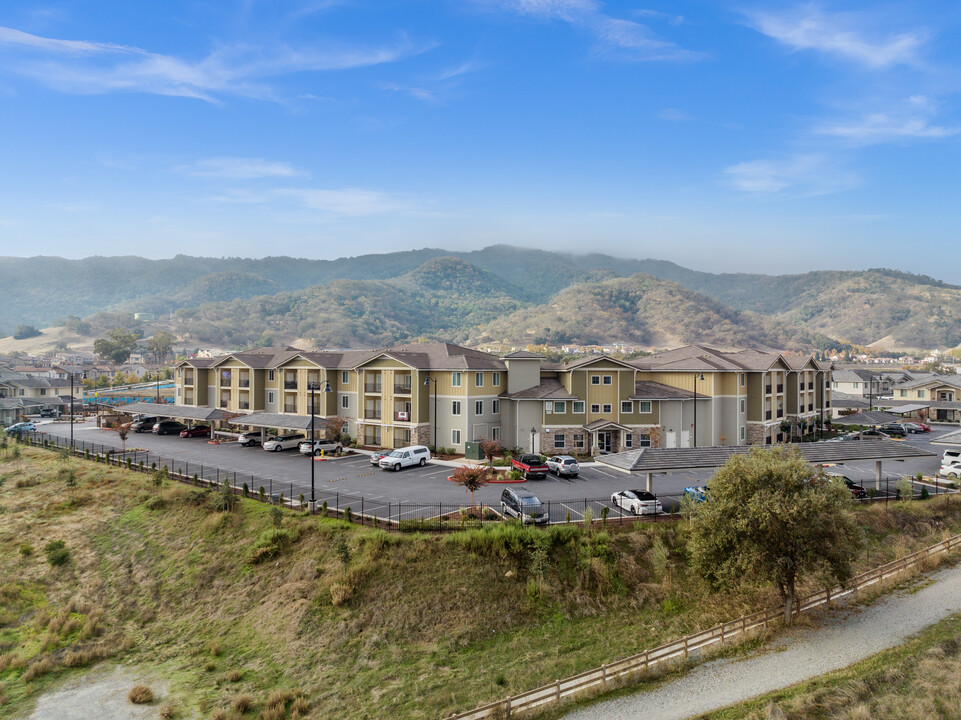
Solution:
(422, 516)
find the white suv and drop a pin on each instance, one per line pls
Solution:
(950, 469)
(405, 457)
(319, 446)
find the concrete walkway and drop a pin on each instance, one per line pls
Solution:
(843, 639)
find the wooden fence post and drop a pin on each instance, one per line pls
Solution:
(557, 684)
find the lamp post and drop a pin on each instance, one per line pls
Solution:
(312, 386)
(427, 381)
(82, 375)
(695, 404)
(533, 433)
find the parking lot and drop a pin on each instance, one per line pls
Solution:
(354, 479)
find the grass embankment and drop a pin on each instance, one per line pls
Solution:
(348, 622)
(915, 681)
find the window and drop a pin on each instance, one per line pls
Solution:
(455, 407)
(920, 394)
(645, 407)
(455, 437)
(560, 408)
(455, 379)
(345, 401)
(579, 442)
(578, 407)
(180, 373)
(595, 379)
(270, 375)
(743, 432)
(178, 392)
(904, 393)
(608, 408)
(741, 378)
(629, 440)
(496, 407)
(478, 379)
(495, 379)
(743, 404)
(559, 441)
(495, 434)
(478, 407)
(856, 385)
(43, 391)
(345, 376)
(627, 406)
(644, 441)
(270, 397)
(548, 407)
(595, 408)
(608, 380)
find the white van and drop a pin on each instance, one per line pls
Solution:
(405, 457)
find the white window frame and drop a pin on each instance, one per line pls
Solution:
(628, 440)
(345, 377)
(455, 407)
(455, 379)
(743, 379)
(743, 405)
(743, 433)
(478, 379)
(563, 441)
(629, 404)
(595, 379)
(495, 407)
(478, 407)
(560, 407)
(455, 437)
(495, 379)
(608, 379)
(495, 433)
(574, 405)
(595, 408)
(270, 397)
(578, 441)
(345, 402)
(607, 409)
(645, 407)
(548, 407)
(644, 440)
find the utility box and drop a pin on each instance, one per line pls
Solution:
(472, 451)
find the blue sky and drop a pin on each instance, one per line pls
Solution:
(761, 136)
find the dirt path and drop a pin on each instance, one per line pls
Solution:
(843, 639)
(100, 694)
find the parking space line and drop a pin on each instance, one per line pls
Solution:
(573, 511)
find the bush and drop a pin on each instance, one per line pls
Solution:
(140, 695)
(38, 668)
(242, 703)
(26, 549)
(57, 552)
(270, 543)
(348, 515)
(246, 490)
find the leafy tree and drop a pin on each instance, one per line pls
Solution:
(769, 517)
(161, 344)
(472, 477)
(491, 448)
(25, 331)
(117, 346)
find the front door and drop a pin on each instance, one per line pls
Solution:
(604, 442)
(670, 439)
(942, 415)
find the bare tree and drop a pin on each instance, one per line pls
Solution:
(472, 477)
(491, 448)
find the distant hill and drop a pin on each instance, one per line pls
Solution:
(498, 292)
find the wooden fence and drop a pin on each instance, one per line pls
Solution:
(619, 672)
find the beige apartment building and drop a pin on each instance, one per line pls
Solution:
(447, 395)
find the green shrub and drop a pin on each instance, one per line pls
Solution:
(246, 490)
(323, 509)
(26, 549)
(348, 515)
(270, 543)
(262, 494)
(924, 492)
(57, 552)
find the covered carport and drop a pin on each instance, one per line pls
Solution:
(282, 421)
(191, 413)
(662, 461)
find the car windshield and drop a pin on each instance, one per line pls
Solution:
(396, 453)
(530, 502)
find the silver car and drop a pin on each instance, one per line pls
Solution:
(562, 465)
(283, 442)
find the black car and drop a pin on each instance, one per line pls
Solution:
(857, 491)
(524, 505)
(143, 424)
(894, 429)
(168, 427)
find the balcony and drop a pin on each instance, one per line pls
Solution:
(244, 382)
(372, 415)
(767, 389)
(290, 409)
(290, 384)
(402, 389)
(402, 416)
(188, 379)
(243, 405)
(767, 414)
(375, 388)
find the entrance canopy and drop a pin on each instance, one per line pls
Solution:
(659, 460)
(287, 421)
(605, 425)
(183, 412)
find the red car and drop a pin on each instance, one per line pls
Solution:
(196, 431)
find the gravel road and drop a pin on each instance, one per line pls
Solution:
(844, 638)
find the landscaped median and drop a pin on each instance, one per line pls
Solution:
(231, 599)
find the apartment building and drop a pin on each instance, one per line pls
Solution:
(446, 395)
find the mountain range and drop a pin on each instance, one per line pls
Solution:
(501, 294)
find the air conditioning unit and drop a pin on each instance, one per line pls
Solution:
(403, 416)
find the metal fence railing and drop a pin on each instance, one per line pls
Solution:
(615, 673)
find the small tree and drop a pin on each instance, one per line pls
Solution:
(490, 449)
(472, 477)
(122, 431)
(770, 518)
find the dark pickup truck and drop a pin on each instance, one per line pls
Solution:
(531, 465)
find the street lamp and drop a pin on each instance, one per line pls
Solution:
(83, 375)
(695, 403)
(312, 386)
(427, 381)
(533, 433)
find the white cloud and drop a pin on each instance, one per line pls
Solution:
(843, 34)
(83, 67)
(674, 115)
(233, 168)
(881, 127)
(414, 92)
(812, 174)
(342, 202)
(616, 37)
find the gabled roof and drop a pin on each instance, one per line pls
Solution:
(601, 424)
(585, 362)
(952, 380)
(35, 381)
(700, 358)
(647, 390)
(523, 355)
(548, 389)
(438, 356)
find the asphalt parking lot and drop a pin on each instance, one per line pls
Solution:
(354, 479)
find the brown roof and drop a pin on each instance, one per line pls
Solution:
(522, 355)
(647, 390)
(549, 389)
(439, 356)
(700, 358)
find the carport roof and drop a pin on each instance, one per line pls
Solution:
(821, 453)
(287, 421)
(906, 409)
(868, 417)
(186, 412)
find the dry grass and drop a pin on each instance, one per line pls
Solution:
(242, 702)
(37, 668)
(233, 675)
(217, 714)
(166, 711)
(140, 695)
